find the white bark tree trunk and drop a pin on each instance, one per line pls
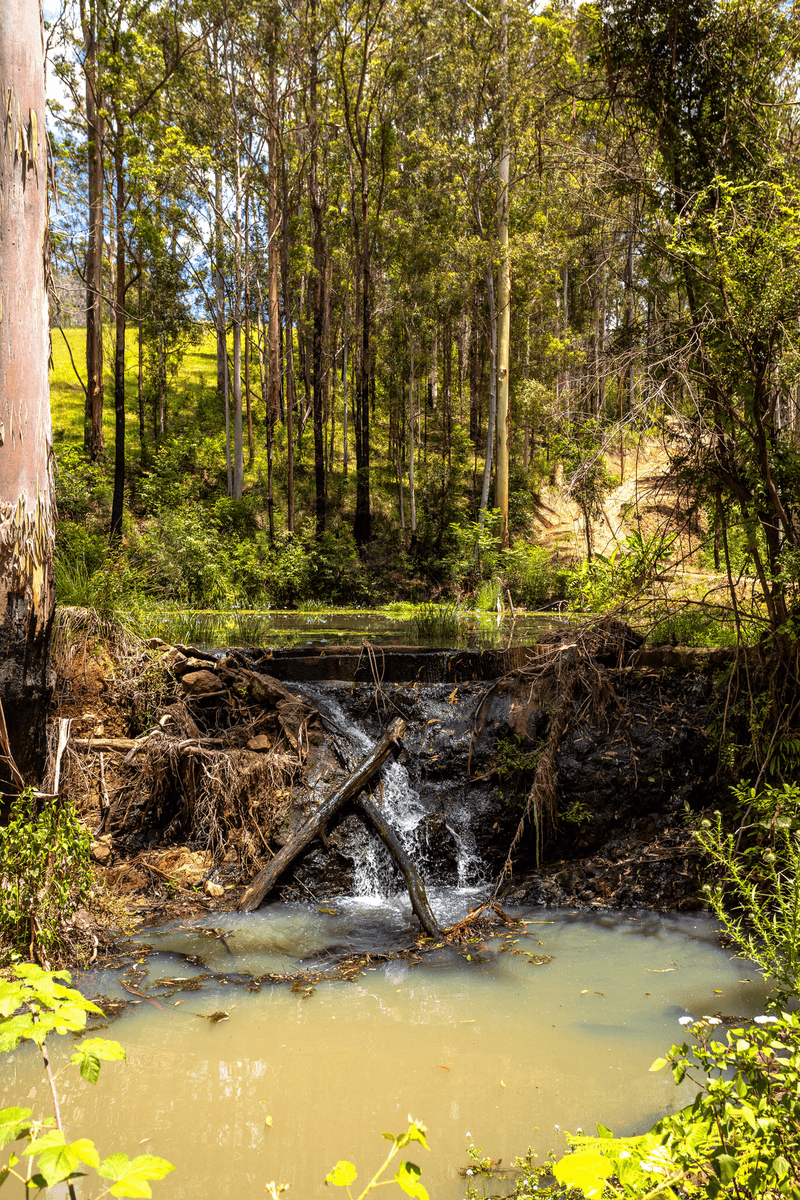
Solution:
(27, 510)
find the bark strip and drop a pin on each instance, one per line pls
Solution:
(266, 879)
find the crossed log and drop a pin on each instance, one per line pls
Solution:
(353, 789)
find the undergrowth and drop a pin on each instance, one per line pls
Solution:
(46, 876)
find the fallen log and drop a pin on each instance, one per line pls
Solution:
(416, 888)
(266, 879)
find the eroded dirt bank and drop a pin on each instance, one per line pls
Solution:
(191, 771)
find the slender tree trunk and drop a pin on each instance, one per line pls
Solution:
(362, 528)
(273, 250)
(504, 310)
(289, 353)
(251, 449)
(119, 348)
(219, 286)
(412, 417)
(27, 509)
(140, 371)
(319, 291)
(345, 345)
(490, 438)
(95, 132)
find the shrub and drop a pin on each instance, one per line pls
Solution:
(80, 485)
(184, 556)
(740, 1137)
(45, 874)
(530, 575)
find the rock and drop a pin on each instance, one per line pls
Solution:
(155, 643)
(101, 853)
(259, 742)
(214, 889)
(174, 660)
(201, 683)
(266, 690)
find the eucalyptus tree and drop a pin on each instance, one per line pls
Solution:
(368, 49)
(145, 46)
(27, 509)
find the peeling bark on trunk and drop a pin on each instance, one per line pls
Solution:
(27, 509)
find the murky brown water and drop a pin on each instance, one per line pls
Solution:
(502, 1050)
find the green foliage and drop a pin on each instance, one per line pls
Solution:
(438, 622)
(586, 477)
(758, 898)
(740, 1137)
(45, 875)
(407, 1175)
(531, 575)
(692, 627)
(33, 1004)
(81, 486)
(613, 582)
(487, 595)
(183, 555)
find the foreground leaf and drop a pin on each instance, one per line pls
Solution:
(131, 1176)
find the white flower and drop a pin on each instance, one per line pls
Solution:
(765, 1020)
(711, 1020)
(556, 1126)
(469, 1135)
(685, 1020)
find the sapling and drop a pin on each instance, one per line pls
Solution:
(33, 1004)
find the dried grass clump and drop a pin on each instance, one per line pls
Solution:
(221, 800)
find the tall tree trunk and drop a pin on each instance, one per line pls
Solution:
(345, 345)
(289, 354)
(270, 417)
(219, 287)
(362, 527)
(504, 309)
(27, 510)
(412, 416)
(95, 132)
(273, 266)
(490, 438)
(251, 449)
(319, 291)
(140, 366)
(119, 348)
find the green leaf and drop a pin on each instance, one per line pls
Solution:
(131, 1175)
(658, 1065)
(724, 1166)
(13, 1124)
(342, 1174)
(602, 1132)
(89, 1053)
(407, 1178)
(586, 1170)
(780, 1167)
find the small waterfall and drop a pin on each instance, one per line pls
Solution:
(375, 874)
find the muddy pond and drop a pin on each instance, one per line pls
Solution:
(553, 1027)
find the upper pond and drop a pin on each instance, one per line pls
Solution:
(395, 625)
(502, 1048)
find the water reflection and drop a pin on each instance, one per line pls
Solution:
(210, 628)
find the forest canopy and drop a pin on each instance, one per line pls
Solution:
(433, 254)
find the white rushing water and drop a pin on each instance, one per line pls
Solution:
(375, 877)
